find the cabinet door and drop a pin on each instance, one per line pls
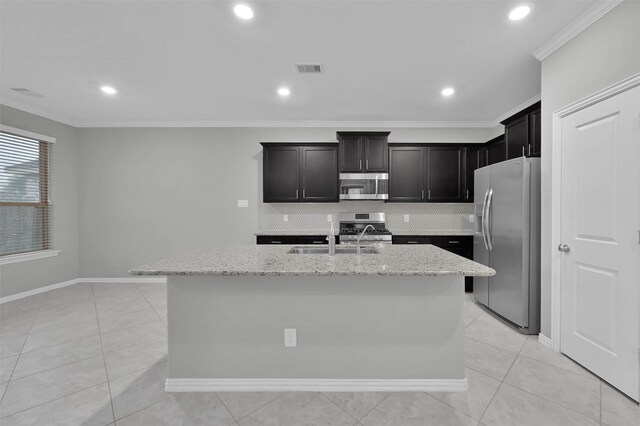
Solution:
(516, 135)
(534, 133)
(471, 162)
(406, 174)
(320, 174)
(276, 239)
(351, 153)
(444, 174)
(281, 174)
(496, 152)
(375, 154)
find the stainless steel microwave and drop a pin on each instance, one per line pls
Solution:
(364, 186)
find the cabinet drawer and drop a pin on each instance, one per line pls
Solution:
(276, 239)
(453, 241)
(313, 239)
(412, 239)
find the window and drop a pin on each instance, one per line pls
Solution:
(24, 194)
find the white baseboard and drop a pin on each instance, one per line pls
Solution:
(38, 290)
(315, 385)
(134, 280)
(544, 341)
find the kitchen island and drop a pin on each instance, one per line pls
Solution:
(391, 321)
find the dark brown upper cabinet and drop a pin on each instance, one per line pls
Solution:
(496, 150)
(535, 130)
(522, 132)
(472, 161)
(444, 174)
(426, 173)
(300, 173)
(363, 151)
(407, 175)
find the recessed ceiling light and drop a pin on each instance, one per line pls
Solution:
(109, 90)
(284, 91)
(519, 13)
(243, 11)
(448, 91)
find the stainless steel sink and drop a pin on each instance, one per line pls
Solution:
(339, 250)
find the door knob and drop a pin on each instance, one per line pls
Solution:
(563, 248)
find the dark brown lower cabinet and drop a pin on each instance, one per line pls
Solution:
(460, 245)
(293, 239)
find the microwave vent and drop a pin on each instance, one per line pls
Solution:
(308, 69)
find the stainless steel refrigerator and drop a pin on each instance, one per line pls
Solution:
(507, 238)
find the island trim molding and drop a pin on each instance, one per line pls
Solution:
(315, 385)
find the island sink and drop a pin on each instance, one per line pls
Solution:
(339, 250)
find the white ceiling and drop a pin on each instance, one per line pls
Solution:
(194, 61)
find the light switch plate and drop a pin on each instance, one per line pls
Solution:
(285, 218)
(406, 218)
(243, 203)
(290, 338)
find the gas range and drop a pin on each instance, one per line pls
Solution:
(352, 225)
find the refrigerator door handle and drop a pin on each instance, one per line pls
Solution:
(489, 215)
(483, 220)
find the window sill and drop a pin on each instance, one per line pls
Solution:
(23, 257)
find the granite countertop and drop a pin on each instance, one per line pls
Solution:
(278, 232)
(426, 232)
(268, 260)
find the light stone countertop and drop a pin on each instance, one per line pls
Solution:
(428, 233)
(268, 260)
(280, 232)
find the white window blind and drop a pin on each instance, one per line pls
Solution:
(24, 194)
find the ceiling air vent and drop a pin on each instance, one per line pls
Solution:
(26, 92)
(308, 69)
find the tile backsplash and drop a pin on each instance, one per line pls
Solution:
(422, 216)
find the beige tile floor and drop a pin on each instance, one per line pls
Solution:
(96, 355)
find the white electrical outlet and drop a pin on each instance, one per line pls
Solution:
(471, 218)
(329, 218)
(243, 203)
(285, 218)
(406, 218)
(290, 338)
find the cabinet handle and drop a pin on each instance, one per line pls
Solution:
(422, 194)
(296, 193)
(467, 194)
(454, 242)
(276, 242)
(317, 242)
(429, 194)
(523, 153)
(529, 150)
(366, 164)
(304, 195)
(412, 242)
(360, 164)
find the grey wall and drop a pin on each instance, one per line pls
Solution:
(602, 55)
(151, 193)
(23, 276)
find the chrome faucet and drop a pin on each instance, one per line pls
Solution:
(332, 240)
(363, 232)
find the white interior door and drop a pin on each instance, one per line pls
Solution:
(599, 274)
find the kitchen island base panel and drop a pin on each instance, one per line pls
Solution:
(227, 332)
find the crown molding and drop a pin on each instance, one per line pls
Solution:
(296, 123)
(39, 112)
(518, 108)
(580, 24)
